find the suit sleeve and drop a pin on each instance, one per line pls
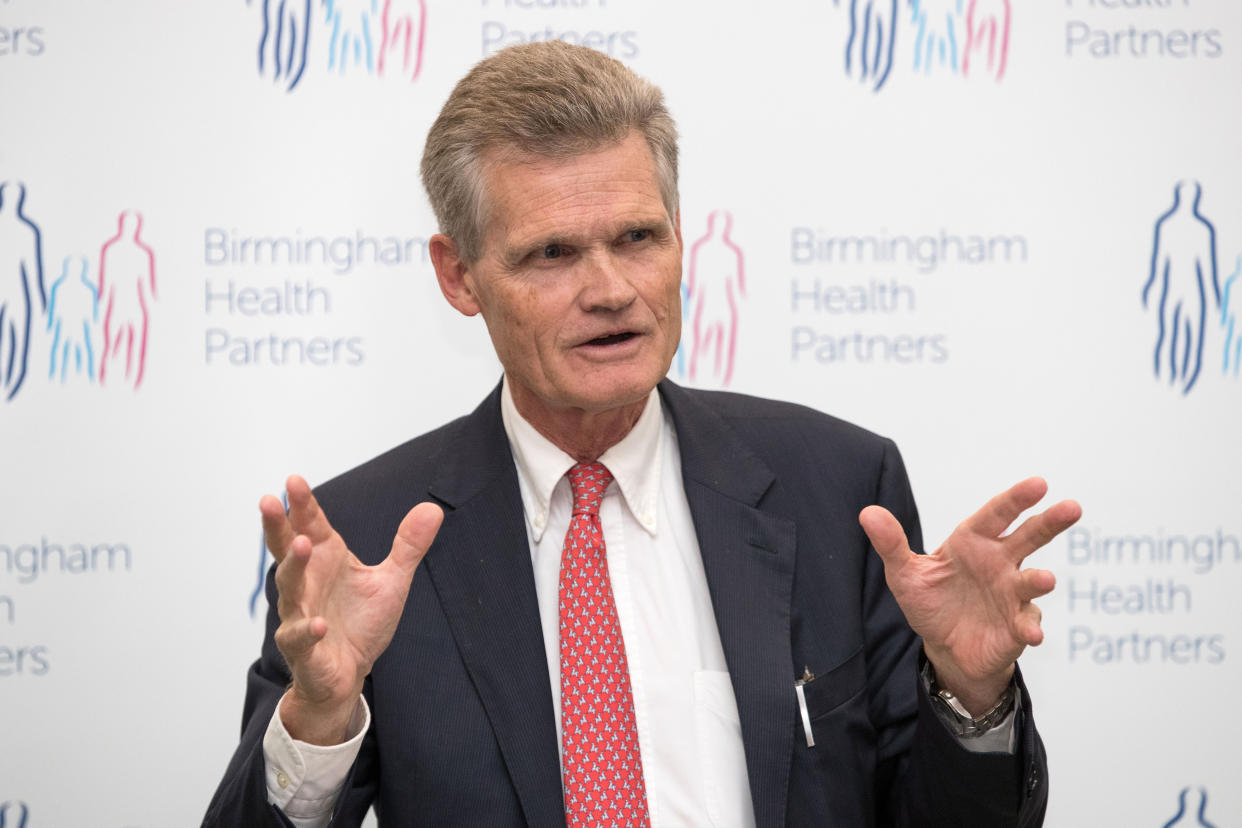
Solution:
(925, 778)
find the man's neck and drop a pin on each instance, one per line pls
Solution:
(583, 435)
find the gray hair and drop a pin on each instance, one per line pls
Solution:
(547, 99)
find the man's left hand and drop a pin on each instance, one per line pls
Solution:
(970, 600)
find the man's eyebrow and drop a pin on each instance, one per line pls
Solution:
(521, 246)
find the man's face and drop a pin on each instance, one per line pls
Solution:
(580, 277)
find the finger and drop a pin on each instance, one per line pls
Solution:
(1034, 583)
(887, 536)
(295, 639)
(277, 532)
(1002, 510)
(1028, 630)
(304, 512)
(1038, 530)
(291, 575)
(414, 536)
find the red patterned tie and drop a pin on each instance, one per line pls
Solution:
(603, 771)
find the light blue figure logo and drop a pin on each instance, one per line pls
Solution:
(13, 814)
(937, 34)
(872, 36)
(22, 291)
(1182, 276)
(352, 42)
(264, 558)
(1229, 312)
(284, 40)
(72, 320)
(1188, 816)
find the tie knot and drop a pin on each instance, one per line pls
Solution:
(588, 481)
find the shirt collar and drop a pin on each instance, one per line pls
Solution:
(634, 463)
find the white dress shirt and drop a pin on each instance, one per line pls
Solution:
(689, 732)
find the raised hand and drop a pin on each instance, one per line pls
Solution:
(970, 600)
(337, 615)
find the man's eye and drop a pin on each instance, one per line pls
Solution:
(552, 251)
(638, 235)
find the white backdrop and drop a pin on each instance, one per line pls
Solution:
(213, 273)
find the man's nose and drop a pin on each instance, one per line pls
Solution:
(606, 283)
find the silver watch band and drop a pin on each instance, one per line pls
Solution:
(951, 711)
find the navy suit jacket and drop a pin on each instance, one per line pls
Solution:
(463, 730)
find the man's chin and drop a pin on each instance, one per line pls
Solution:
(606, 390)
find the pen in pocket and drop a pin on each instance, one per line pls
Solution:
(807, 678)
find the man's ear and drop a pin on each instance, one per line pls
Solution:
(451, 274)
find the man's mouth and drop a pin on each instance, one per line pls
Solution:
(612, 339)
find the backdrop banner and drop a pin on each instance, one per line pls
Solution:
(1005, 233)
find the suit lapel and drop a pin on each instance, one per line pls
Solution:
(481, 567)
(748, 556)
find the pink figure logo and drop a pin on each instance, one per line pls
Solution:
(403, 36)
(987, 35)
(126, 290)
(717, 281)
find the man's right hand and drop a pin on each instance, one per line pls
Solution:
(337, 615)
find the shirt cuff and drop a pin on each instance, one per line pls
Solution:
(304, 780)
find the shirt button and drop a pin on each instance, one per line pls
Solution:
(282, 779)
(539, 519)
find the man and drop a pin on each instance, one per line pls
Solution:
(692, 628)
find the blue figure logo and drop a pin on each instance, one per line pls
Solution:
(1183, 270)
(17, 810)
(936, 34)
(284, 40)
(21, 285)
(1229, 321)
(1183, 817)
(869, 47)
(72, 318)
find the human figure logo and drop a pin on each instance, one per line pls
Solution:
(94, 321)
(72, 318)
(22, 292)
(714, 287)
(1182, 283)
(1188, 812)
(14, 814)
(962, 38)
(126, 289)
(373, 38)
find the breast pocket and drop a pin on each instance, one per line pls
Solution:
(722, 758)
(829, 691)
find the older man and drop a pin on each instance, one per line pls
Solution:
(637, 604)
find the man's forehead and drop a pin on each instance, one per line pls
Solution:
(602, 190)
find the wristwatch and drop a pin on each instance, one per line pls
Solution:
(950, 710)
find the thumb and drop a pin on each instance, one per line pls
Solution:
(887, 536)
(414, 536)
